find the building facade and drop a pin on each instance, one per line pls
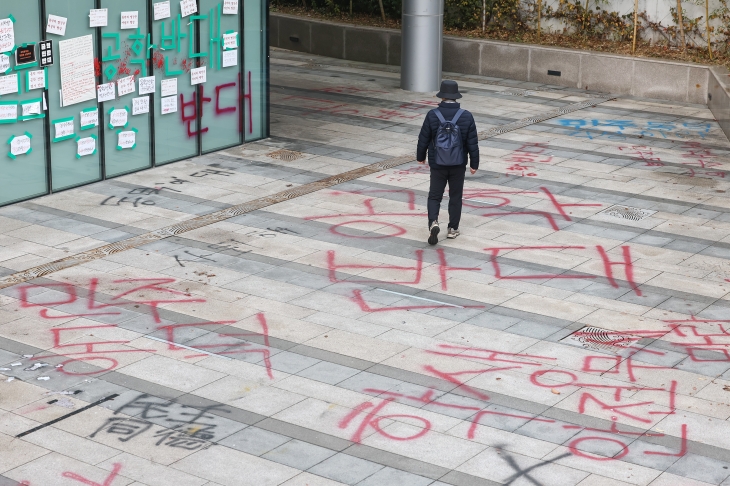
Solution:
(94, 89)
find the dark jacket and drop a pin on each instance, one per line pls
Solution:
(468, 130)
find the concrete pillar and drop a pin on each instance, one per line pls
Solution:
(421, 45)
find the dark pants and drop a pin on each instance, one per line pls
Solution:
(454, 176)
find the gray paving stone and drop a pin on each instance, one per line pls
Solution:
(298, 454)
(393, 477)
(701, 468)
(365, 380)
(255, 441)
(291, 363)
(328, 372)
(345, 469)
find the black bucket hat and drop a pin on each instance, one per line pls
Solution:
(449, 90)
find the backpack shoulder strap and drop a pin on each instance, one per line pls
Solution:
(439, 115)
(456, 117)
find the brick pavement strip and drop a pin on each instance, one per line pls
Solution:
(336, 347)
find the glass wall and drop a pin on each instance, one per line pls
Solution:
(92, 89)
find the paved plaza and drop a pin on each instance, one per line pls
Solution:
(271, 314)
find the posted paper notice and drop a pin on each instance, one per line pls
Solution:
(118, 118)
(130, 20)
(162, 10)
(197, 75)
(56, 25)
(169, 105)
(98, 17)
(125, 85)
(7, 35)
(141, 105)
(169, 87)
(78, 80)
(89, 118)
(86, 146)
(105, 92)
(147, 85)
(230, 7)
(9, 84)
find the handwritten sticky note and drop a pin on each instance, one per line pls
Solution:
(130, 20)
(89, 119)
(168, 87)
(9, 84)
(30, 109)
(127, 140)
(4, 63)
(188, 7)
(105, 92)
(64, 128)
(37, 79)
(9, 112)
(20, 145)
(56, 25)
(162, 10)
(141, 105)
(230, 7)
(7, 35)
(147, 85)
(230, 41)
(197, 75)
(86, 146)
(169, 105)
(230, 58)
(98, 17)
(118, 118)
(125, 85)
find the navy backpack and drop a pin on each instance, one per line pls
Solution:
(449, 149)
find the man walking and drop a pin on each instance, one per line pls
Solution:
(448, 133)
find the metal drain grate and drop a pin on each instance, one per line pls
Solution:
(598, 339)
(285, 155)
(627, 212)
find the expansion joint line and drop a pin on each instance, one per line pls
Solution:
(247, 207)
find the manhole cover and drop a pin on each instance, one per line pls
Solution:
(627, 212)
(313, 65)
(597, 339)
(286, 155)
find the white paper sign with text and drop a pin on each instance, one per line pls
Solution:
(4, 63)
(56, 25)
(9, 84)
(130, 20)
(9, 112)
(37, 79)
(230, 41)
(64, 129)
(147, 85)
(125, 85)
(230, 58)
(20, 145)
(188, 7)
(98, 17)
(118, 117)
(89, 118)
(7, 35)
(169, 105)
(127, 139)
(197, 75)
(141, 105)
(168, 87)
(105, 92)
(78, 80)
(230, 7)
(86, 146)
(162, 10)
(30, 109)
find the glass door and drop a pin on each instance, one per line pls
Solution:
(23, 169)
(75, 154)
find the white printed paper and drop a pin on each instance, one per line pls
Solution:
(188, 7)
(78, 80)
(105, 92)
(89, 118)
(118, 118)
(130, 20)
(169, 105)
(9, 84)
(98, 17)
(9, 112)
(147, 85)
(30, 109)
(197, 75)
(168, 87)
(162, 10)
(230, 7)
(127, 139)
(86, 146)
(37, 79)
(230, 41)
(125, 85)
(56, 25)
(230, 58)
(64, 129)
(141, 105)
(7, 35)
(20, 145)
(4, 63)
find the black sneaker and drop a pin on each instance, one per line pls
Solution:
(434, 229)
